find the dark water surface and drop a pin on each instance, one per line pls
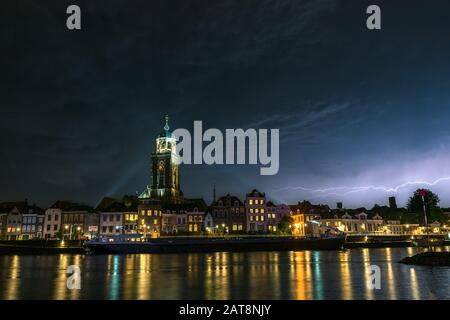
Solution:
(252, 275)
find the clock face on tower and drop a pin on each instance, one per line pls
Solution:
(161, 167)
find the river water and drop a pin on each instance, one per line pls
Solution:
(252, 275)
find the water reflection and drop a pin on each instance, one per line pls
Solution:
(390, 276)
(12, 290)
(346, 277)
(298, 275)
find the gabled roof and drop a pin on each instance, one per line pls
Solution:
(256, 193)
(228, 200)
(106, 202)
(115, 207)
(79, 207)
(62, 204)
(6, 207)
(187, 205)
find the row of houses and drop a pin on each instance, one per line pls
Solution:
(65, 219)
(226, 215)
(316, 221)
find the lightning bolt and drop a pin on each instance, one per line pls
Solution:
(342, 191)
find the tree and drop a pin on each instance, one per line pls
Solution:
(284, 224)
(434, 213)
(415, 203)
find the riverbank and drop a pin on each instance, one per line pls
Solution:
(17, 249)
(40, 247)
(441, 259)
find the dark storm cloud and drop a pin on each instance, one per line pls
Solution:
(80, 110)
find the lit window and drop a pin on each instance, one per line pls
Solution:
(250, 201)
(262, 218)
(251, 210)
(262, 210)
(256, 210)
(155, 221)
(251, 218)
(257, 218)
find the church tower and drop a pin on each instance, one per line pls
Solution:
(165, 183)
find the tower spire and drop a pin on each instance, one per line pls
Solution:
(166, 126)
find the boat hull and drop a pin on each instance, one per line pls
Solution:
(215, 245)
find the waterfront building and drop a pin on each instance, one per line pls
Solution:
(91, 225)
(13, 219)
(52, 222)
(361, 223)
(173, 222)
(274, 215)
(195, 220)
(32, 223)
(149, 217)
(74, 221)
(398, 228)
(228, 213)
(186, 216)
(130, 221)
(111, 220)
(303, 214)
(256, 211)
(181, 221)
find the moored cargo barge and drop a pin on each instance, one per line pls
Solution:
(235, 244)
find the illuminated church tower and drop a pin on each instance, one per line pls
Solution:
(165, 181)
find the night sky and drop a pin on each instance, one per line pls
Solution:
(356, 108)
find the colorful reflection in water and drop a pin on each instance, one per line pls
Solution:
(301, 275)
